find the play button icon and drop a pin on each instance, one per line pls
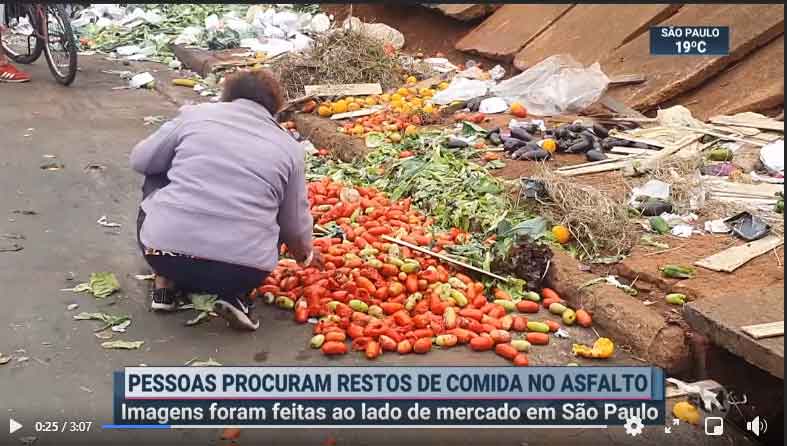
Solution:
(13, 426)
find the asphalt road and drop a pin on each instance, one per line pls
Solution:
(58, 370)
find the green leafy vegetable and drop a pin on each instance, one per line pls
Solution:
(123, 345)
(101, 285)
(109, 320)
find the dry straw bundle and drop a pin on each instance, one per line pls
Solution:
(343, 56)
(600, 224)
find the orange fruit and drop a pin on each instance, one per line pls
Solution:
(561, 233)
(550, 145)
(411, 80)
(518, 110)
(353, 106)
(325, 111)
(411, 130)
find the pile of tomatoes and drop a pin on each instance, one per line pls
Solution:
(379, 297)
(393, 125)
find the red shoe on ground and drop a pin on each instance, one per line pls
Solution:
(9, 73)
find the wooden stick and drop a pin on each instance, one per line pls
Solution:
(443, 257)
(726, 137)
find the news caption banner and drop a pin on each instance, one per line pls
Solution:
(690, 40)
(391, 397)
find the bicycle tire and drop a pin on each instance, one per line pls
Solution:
(38, 48)
(69, 45)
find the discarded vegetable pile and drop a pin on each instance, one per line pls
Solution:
(339, 57)
(386, 298)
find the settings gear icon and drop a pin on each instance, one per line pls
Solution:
(634, 426)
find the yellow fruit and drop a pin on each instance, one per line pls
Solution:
(358, 130)
(371, 100)
(395, 137)
(428, 93)
(402, 91)
(685, 411)
(386, 97)
(416, 102)
(442, 86)
(429, 108)
(349, 99)
(562, 234)
(325, 111)
(396, 97)
(550, 145)
(340, 106)
(353, 106)
(413, 91)
(411, 130)
(412, 80)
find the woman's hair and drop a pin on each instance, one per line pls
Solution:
(255, 85)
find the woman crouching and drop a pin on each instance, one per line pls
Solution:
(224, 188)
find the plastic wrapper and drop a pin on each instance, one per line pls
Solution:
(557, 85)
(462, 89)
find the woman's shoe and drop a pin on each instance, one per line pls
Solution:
(164, 299)
(237, 313)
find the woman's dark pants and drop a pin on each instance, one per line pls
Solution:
(198, 275)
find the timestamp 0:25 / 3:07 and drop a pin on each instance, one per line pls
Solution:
(63, 426)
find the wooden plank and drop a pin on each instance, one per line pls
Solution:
(588, 164)
(633, 151)
(765, 190)
(615, 165)
(726, 137)
(357, 113)
(761, 331)
(343, 90)
(762, 124)
(733, 258)
(443, 257)
(626, 79)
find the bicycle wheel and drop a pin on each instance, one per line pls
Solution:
(60, 48)
(21, 39)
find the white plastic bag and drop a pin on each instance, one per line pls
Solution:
(772, 157)
(491, 106)
(462, 89)
(556, 85)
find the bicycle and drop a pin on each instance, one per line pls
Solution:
(37, 28)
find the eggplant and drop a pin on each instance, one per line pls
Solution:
(456, 143)
(474, 104)
(595, 155)
(585, 144)
(600, 131)
(511, 144)
(653, 207)
(609, 143)
(536, 155)
(518, 153)
(520, 133)
(576, 128)
(494, 138)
